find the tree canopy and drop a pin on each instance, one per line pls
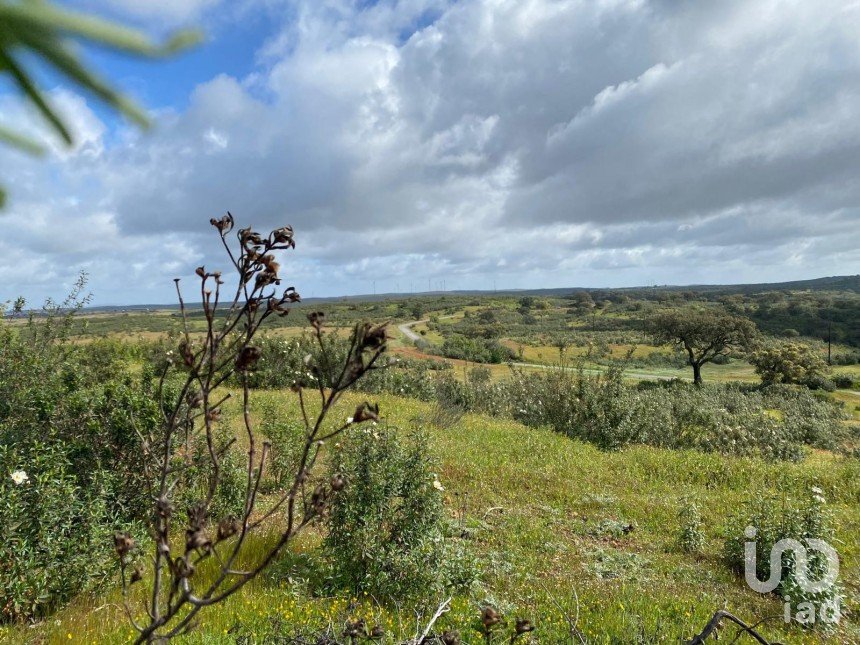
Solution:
(703, 334)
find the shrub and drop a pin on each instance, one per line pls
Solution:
(788, 362)
(820, 382)
(69, 416)
(386, 531)
(286, 435)
(691, 539)
(477, 350)
(55, 530)
(844, 381)
(778, 519)
(774, 423)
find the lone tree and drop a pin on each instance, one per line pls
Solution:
(704, 335)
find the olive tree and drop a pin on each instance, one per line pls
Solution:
(703, 335)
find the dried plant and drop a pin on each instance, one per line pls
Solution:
(175, 595)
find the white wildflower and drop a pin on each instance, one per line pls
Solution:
(20, 477)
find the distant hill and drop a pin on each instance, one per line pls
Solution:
(845, 283)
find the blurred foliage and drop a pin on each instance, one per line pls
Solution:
(33, 30)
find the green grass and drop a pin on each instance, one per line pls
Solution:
(535, 504)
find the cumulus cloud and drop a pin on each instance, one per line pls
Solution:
(530, 142)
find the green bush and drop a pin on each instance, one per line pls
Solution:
(477, 350)
(386, 530)
(789, 362)
(777, 519)
(55, 530)
(286, 435)
(775, 422)
(844, 381)
(69, 416)
(691, 539)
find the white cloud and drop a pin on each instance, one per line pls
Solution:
(538, 143)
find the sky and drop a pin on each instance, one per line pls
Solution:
(469, 144)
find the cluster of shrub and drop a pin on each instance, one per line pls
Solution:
(71, 420)
(66, 415)
(775, 421)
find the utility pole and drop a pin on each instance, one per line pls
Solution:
(829, 334)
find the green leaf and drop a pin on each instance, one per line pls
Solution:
(64, 59)
(34, 94)
(21, 142)
(72, 23)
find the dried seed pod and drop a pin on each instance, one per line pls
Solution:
(277, 307)
(355, 629)
(247, 358)
(186, 353)
(123, 543)
(291, 295)
(197, 540)
(315, 318)
(136, 575)
(373, 337)
(228, 527)
(224, 225)
(268, 261)
(338, 482)
(450, 637)
(318, 499)
(523, 626)
(182, 569)
(490, 618)
(284, 235)
(366, 412)
(194, 400)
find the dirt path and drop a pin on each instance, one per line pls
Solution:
(406, 329)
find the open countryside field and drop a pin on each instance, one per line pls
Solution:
(582, 529)
(429, 322)
(546, 519)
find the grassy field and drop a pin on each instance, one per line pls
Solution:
(538, 511)
(562, 532)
